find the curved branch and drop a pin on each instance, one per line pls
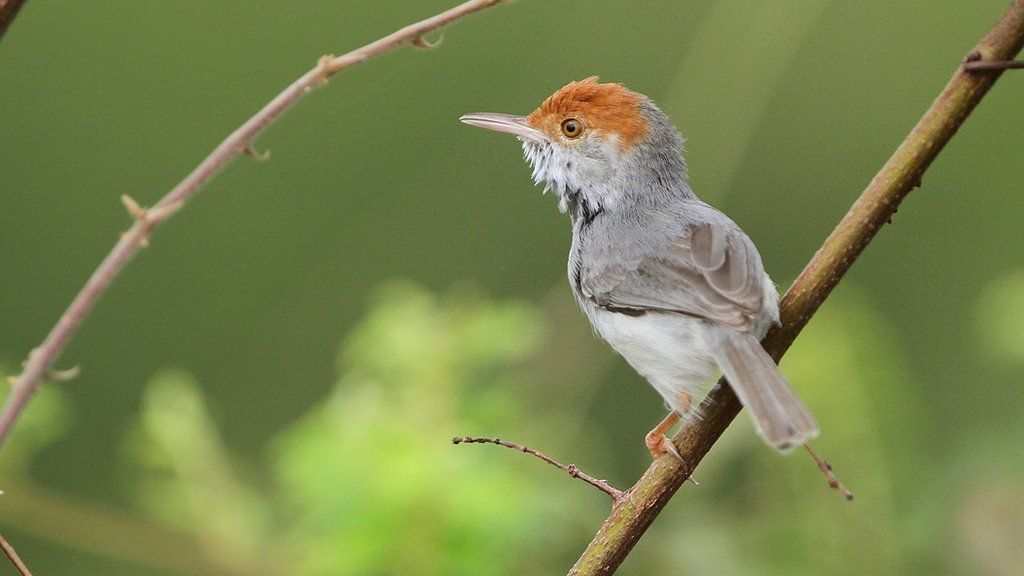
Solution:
(631, 516)
(40, 361)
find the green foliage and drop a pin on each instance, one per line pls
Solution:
(1001, 318)
(368, 480)
(191, 484)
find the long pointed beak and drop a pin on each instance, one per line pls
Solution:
(505, 123)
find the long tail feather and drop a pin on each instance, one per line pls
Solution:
(782, 419)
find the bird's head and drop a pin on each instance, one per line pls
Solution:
(597, 143)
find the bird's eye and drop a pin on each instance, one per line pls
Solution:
(572, 127)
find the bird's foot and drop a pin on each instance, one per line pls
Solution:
(659, 444)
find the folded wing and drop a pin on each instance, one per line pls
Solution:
(710, 271)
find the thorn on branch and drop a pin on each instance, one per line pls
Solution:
(149, 217)
(892, 216)
(826, 469)
(571, 469)
(258, 156)
(134, 210)
(422, 42)
(63, 375)
(52, 374)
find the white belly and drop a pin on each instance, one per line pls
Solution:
(666, 349)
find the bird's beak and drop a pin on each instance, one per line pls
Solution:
(505, 123)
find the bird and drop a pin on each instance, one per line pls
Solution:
(670, 282)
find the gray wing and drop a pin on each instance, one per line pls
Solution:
(710, 271)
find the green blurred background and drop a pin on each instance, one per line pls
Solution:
(271, 388)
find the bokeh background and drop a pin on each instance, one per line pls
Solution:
(272, 387)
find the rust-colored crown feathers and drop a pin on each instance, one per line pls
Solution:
(606, 108)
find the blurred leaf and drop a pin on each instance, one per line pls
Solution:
(372, 471)
(191, 484)
(1001, 318)
(45, 419)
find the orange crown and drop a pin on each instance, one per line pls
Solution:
(606, 108)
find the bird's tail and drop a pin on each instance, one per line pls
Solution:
(781, 417)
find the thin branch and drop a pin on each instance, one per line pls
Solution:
(830, 476)
(992, 65)
(8, 12)
(40, 360)
(14, 558)
(630, 517)
(571, 469)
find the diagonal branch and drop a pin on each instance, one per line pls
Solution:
(630, 517)
(40, 361)
(13, 557)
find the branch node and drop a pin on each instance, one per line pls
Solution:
(324, 68)
(975, 62)
(148, 217)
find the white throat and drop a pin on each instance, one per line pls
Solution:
(583, 180)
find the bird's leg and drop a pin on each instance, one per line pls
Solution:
(658, 442)
(657, 439)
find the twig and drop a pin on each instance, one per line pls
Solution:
(630, 517)
(571, 469)
(8, 12)
(990, 65)
(41, 360)
(826, 469)
(14, 558)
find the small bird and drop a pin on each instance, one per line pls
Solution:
(671, 283)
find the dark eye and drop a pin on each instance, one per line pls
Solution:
(572, 127)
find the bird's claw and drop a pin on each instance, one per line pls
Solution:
(660, 444)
